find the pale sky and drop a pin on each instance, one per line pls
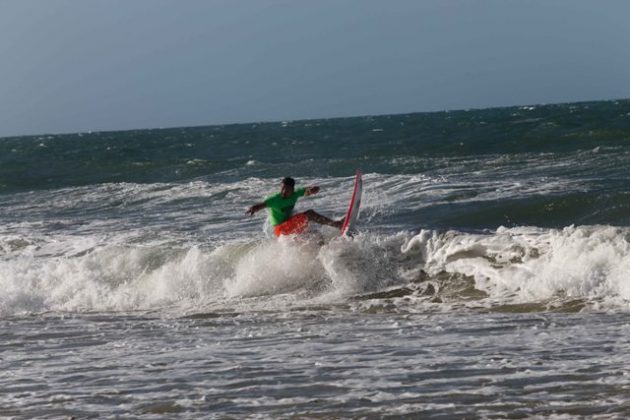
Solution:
(88, 65)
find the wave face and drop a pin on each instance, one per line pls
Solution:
(510, 209)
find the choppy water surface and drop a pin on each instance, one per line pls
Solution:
(313, 362)
(490, 277)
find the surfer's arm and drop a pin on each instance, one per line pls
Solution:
(311, 190)
(255, 208)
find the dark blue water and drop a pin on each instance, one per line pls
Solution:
(584, 146)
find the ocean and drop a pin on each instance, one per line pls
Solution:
(489, 277)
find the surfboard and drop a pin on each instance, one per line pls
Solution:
(352, 214)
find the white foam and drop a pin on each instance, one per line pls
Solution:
(517, 265)
(273, 267)
(85, 275)
(357, 265)
(532, 264)
(110, 278)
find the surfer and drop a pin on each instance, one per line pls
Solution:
(280, 209)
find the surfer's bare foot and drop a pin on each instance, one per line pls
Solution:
(338, 224)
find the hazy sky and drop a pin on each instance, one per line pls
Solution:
(79, 65)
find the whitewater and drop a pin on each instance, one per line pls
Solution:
(490, 276)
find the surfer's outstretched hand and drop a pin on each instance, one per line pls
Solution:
(253, 209)
(311, 190)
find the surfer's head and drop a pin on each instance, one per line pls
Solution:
(288, 184)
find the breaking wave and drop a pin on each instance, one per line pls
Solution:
(524, 268)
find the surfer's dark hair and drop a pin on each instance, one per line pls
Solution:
(288, 181)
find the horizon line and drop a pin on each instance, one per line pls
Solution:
(280, 121)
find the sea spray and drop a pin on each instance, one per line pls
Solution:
(276, 266)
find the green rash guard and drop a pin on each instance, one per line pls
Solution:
(279, 208)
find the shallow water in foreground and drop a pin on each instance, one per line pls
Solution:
(325, 362)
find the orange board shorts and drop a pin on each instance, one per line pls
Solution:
(294, 224)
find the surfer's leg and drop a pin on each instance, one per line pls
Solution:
(313, 216)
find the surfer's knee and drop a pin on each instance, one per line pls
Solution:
(310, 214)
(313, 216)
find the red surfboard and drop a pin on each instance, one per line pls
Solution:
(352, 214)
